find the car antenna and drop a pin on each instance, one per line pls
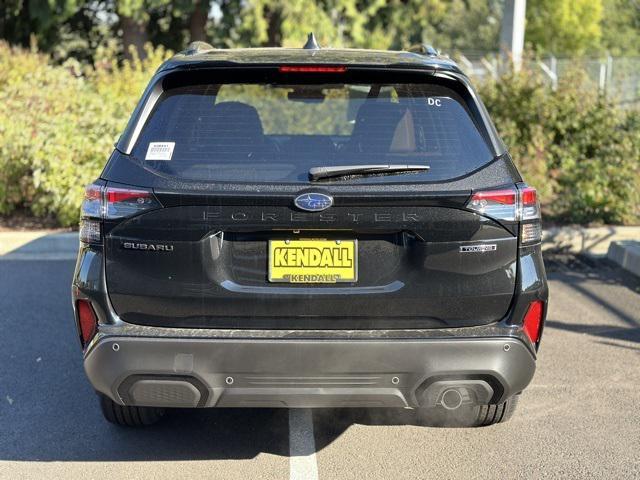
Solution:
(424, 49)
(198, 47)
(312, 43)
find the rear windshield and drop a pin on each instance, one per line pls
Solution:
(243, 132)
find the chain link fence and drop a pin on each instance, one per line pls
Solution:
(616, 77)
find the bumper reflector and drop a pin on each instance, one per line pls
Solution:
(87, 321)
(533, 320)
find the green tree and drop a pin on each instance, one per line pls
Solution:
(446, 24)
(277, 23)
(621, 27)
(564, 27)
(24, 20)
(167, 22)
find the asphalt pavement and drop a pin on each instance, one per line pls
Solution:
(578, 419)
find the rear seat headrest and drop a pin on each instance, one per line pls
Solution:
(375, 125)
(236, 118)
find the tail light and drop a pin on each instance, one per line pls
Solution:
(87, 321)
(498, 204)
(529, 215)
(125, 202)
(510, 205)
(90, 231)
(111, 203)
(533, 320)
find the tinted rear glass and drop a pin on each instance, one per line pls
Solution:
(242, 132)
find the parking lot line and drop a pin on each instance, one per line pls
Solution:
(302, 445)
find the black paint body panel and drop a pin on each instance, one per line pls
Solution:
(411, 271)
(201, 260)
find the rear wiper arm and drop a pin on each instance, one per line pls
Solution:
(318, 173)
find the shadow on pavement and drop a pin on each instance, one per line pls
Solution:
(627, 347)
(606, 331)
(185, 435)
(48, 411)
(587, 277)
(580, 268)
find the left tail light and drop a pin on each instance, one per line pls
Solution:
(127, 202)
(87, 322)
(90, 231)
(111, 203)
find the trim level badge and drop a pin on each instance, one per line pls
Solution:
(478, 248)
(313, 202)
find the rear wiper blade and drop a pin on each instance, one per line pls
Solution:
(318, 173)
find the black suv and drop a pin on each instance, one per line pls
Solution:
(310, 228)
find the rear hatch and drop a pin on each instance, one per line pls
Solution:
(229, 230)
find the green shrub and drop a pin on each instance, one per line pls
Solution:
(581, 151)
(58, 125)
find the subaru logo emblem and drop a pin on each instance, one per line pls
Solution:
(313, 202)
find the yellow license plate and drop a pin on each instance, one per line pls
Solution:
(313, 261)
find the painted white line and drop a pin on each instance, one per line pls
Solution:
(302, 445)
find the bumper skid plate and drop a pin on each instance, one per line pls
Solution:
(209, 372)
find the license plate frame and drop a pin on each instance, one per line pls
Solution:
(344, 251)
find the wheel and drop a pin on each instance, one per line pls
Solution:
(465, 417)
(129, 416)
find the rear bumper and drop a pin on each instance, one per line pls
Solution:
(231, 372)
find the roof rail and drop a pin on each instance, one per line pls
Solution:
(198, 47)
(424, 49)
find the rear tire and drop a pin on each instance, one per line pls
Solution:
(501, 413)
(467, 417)
(127, 416)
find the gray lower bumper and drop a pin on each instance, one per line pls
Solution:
(212, 372)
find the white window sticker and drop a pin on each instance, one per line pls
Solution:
(160, 150)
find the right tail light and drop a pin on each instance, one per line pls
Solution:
(518, 203)
(529, 215)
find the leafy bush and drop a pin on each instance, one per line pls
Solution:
(58, 125)
(581, 151)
